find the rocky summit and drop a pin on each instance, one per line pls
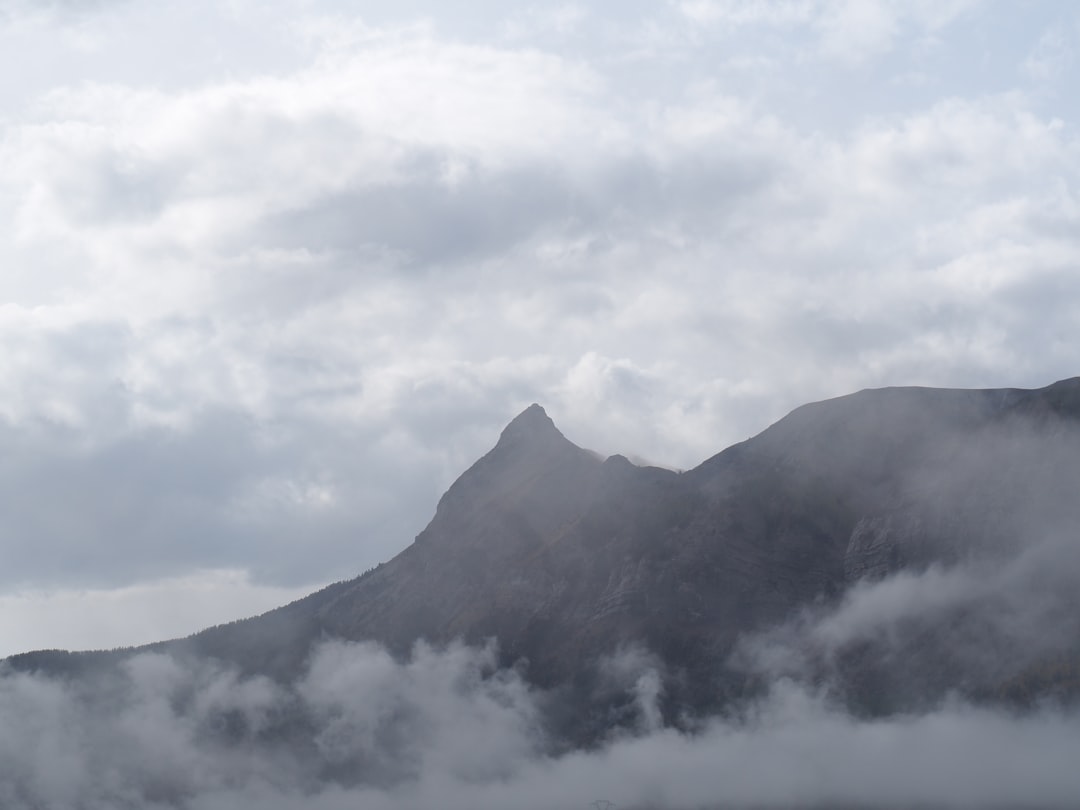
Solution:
(566, 559)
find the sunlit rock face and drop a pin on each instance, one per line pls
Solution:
(566, 559)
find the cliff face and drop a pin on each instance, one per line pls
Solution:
(565, 558)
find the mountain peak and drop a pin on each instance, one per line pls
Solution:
(530, 426)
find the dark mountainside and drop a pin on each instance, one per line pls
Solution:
(565, 559)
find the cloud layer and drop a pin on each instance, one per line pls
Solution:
(446, 729)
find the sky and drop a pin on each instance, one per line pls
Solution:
(273, 274)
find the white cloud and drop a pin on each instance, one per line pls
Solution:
(854, 31)
(1052, 55)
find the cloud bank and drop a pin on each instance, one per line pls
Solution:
(447, 729)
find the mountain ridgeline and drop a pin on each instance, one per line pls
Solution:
(894, 547)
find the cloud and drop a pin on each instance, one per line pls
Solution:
(1052, 55)
(109, 617)
(749, 12)
(941, 629)
(166, 731)
(849, 33)
(57, 8)
(964, 587)
(449, 729)
(321, 271)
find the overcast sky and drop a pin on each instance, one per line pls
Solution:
(272, 274)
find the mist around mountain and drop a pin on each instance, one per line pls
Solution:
(873, 603)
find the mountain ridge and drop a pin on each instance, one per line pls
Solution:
(566, 558)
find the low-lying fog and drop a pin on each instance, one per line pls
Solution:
(447, 729)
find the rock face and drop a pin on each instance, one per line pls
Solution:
(565, 558)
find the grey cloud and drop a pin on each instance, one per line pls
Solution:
(430, 223)
(958, 621)
(967, 586)
(147, 499)
(448, 729)
(165, 732)
(214, 495)
(116, 188)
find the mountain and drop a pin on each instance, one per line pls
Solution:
(568, 559)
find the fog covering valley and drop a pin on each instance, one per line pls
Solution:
(946, 673)
(446, 730)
